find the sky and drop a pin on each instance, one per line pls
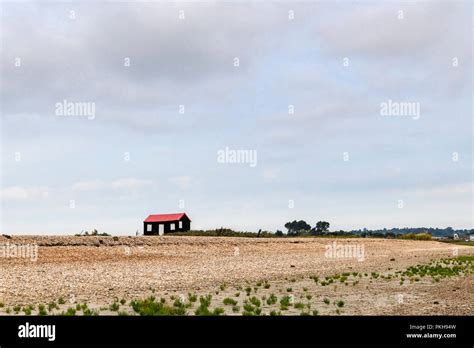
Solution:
(296, 86)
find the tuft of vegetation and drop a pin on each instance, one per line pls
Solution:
(192, 297)
(229, 301)
(150, 307)
(272, 299)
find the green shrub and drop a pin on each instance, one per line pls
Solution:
(255, 301)
(149, 307)
(192, 297)
(272, 299)
(52, 305)
(229, 301)
(114, 307)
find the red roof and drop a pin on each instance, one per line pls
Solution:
(165, 217)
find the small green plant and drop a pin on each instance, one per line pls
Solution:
(70, 312)
(192, 297)
(299, 305)
(114, 307)
(326, 301)
(123, 301)
(340, 303)
(218, 311)
(289, 289)
(248, 290)
(236, 309)
(255, 301)
(315, 312)
(285, 302)
(309, 297)
(237, 294)
(27, 310)
(52, 305)
(229, 301)
(272, 299)
(275, 313)
(42, 309)
(61, 300)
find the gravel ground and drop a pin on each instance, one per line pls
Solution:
(98, 269)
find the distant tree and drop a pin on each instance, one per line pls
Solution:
(279, 233)
(297, 227)
(321, 227)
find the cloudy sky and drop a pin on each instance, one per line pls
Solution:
(173, 83)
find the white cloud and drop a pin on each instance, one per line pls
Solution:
(21, 193)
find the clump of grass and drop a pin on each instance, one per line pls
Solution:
(2, 305)
(52, 305)
(42, 309)
(222, 287)
(61, 300)
(289, 289)
(192, 297)
(236, 309)
(255, 301)
(326, 301)
(340, 303)
(17, 308)
(90, 312)
(229, 301)
(285, 302)
(299, 305)
(203, 309)
(250, 310)
(27, 310)
(123, 301)
(315, 312)
(272, 299)
(150, 307)
(275, 313)
(113, 307)
(237, 294)
(309, 297)
(248, 290)
(70, 312)
(266, 285)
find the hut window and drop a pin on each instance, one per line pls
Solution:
(180, 224)
(172, 227)
(148, 227)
